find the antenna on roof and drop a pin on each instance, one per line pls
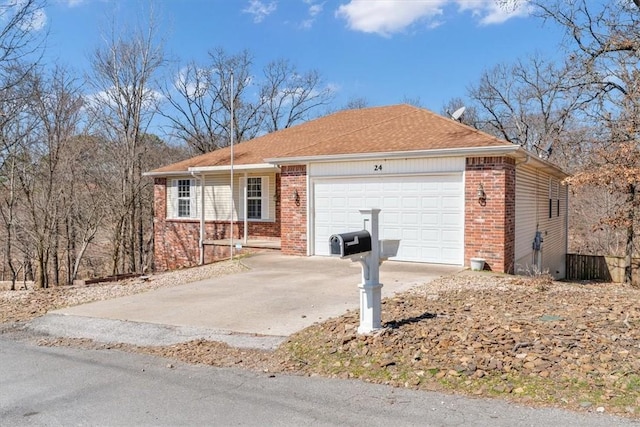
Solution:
(457, 115)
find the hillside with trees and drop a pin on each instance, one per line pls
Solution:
(73, 148)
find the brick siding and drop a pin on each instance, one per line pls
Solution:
(490, 227)
(294, 213)
(176, 241)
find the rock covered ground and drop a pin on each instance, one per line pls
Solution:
(526, 339)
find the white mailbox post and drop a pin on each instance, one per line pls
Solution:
(370, 252)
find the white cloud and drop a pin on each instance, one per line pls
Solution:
(385, 17)
(314, 10)
(35, 22)
(32, 18)
(307, 24)
(113, 97)
(260, 9)
(72, 3)
(490, 12)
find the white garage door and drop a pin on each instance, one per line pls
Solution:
(425, 212)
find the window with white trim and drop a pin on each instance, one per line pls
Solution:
(256, 190)
(184, 199)
(254, 197)
(554, 197)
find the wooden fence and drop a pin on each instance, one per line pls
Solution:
(599, 267)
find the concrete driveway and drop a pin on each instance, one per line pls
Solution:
(276, 297)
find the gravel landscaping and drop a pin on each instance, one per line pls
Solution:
(530, 340)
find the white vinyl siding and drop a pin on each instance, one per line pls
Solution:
(380, 167)
(218, 205)
(534, 191)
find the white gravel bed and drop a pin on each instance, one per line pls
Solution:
(75, 295)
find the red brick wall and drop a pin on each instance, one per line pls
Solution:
(294, 214)
(176, 241)
(490, 227)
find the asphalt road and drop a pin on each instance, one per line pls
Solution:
(41, 386)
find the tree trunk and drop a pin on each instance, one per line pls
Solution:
(628, 268)
(41, 279)
(56, 256)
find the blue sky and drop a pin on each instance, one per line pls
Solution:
(379, 50)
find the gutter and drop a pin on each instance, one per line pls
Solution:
(224, 168)
(548, 167)
(205, 169)
(163, 174)
(443, 152)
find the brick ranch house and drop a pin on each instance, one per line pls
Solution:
(447, 191)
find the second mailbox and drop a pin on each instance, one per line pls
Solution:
(349, 244)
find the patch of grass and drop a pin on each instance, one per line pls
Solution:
(620, 396)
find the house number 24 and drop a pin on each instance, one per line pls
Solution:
(377, 168)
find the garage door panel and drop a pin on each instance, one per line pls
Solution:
(409, 202)
(392, 219)
(391, 233)
(429, 202)
(391, 202)
(356, 203)
(425, 212)
(430, 253)
(430, 218)
(449, 253)
(452, 219)
(410, 217)
(393, 186)
(450, 202)
(373, 201)
(450, 236)
(354, 218)
(432, 186)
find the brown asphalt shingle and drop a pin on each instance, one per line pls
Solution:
(369, 130)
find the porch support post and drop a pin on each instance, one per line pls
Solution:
(202, 205)
(245, 207)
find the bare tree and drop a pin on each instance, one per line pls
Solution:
(200, 102)
(290, 97)
(54, 105)
(605, 50)
(355, 103)
(412, 100)
(195, 109)
(21, 39)
(125, 101)
(21, 42)
(199, 99)
(13, 139)
(529, 103)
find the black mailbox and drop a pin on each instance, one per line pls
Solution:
(348, 244)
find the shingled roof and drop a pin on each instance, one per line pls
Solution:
(396, 128)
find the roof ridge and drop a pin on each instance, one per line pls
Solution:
(471, 128)
(414, 109)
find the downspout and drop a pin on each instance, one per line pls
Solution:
(310, 208)
(245, 207)
(566, 228)
(202, 205)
